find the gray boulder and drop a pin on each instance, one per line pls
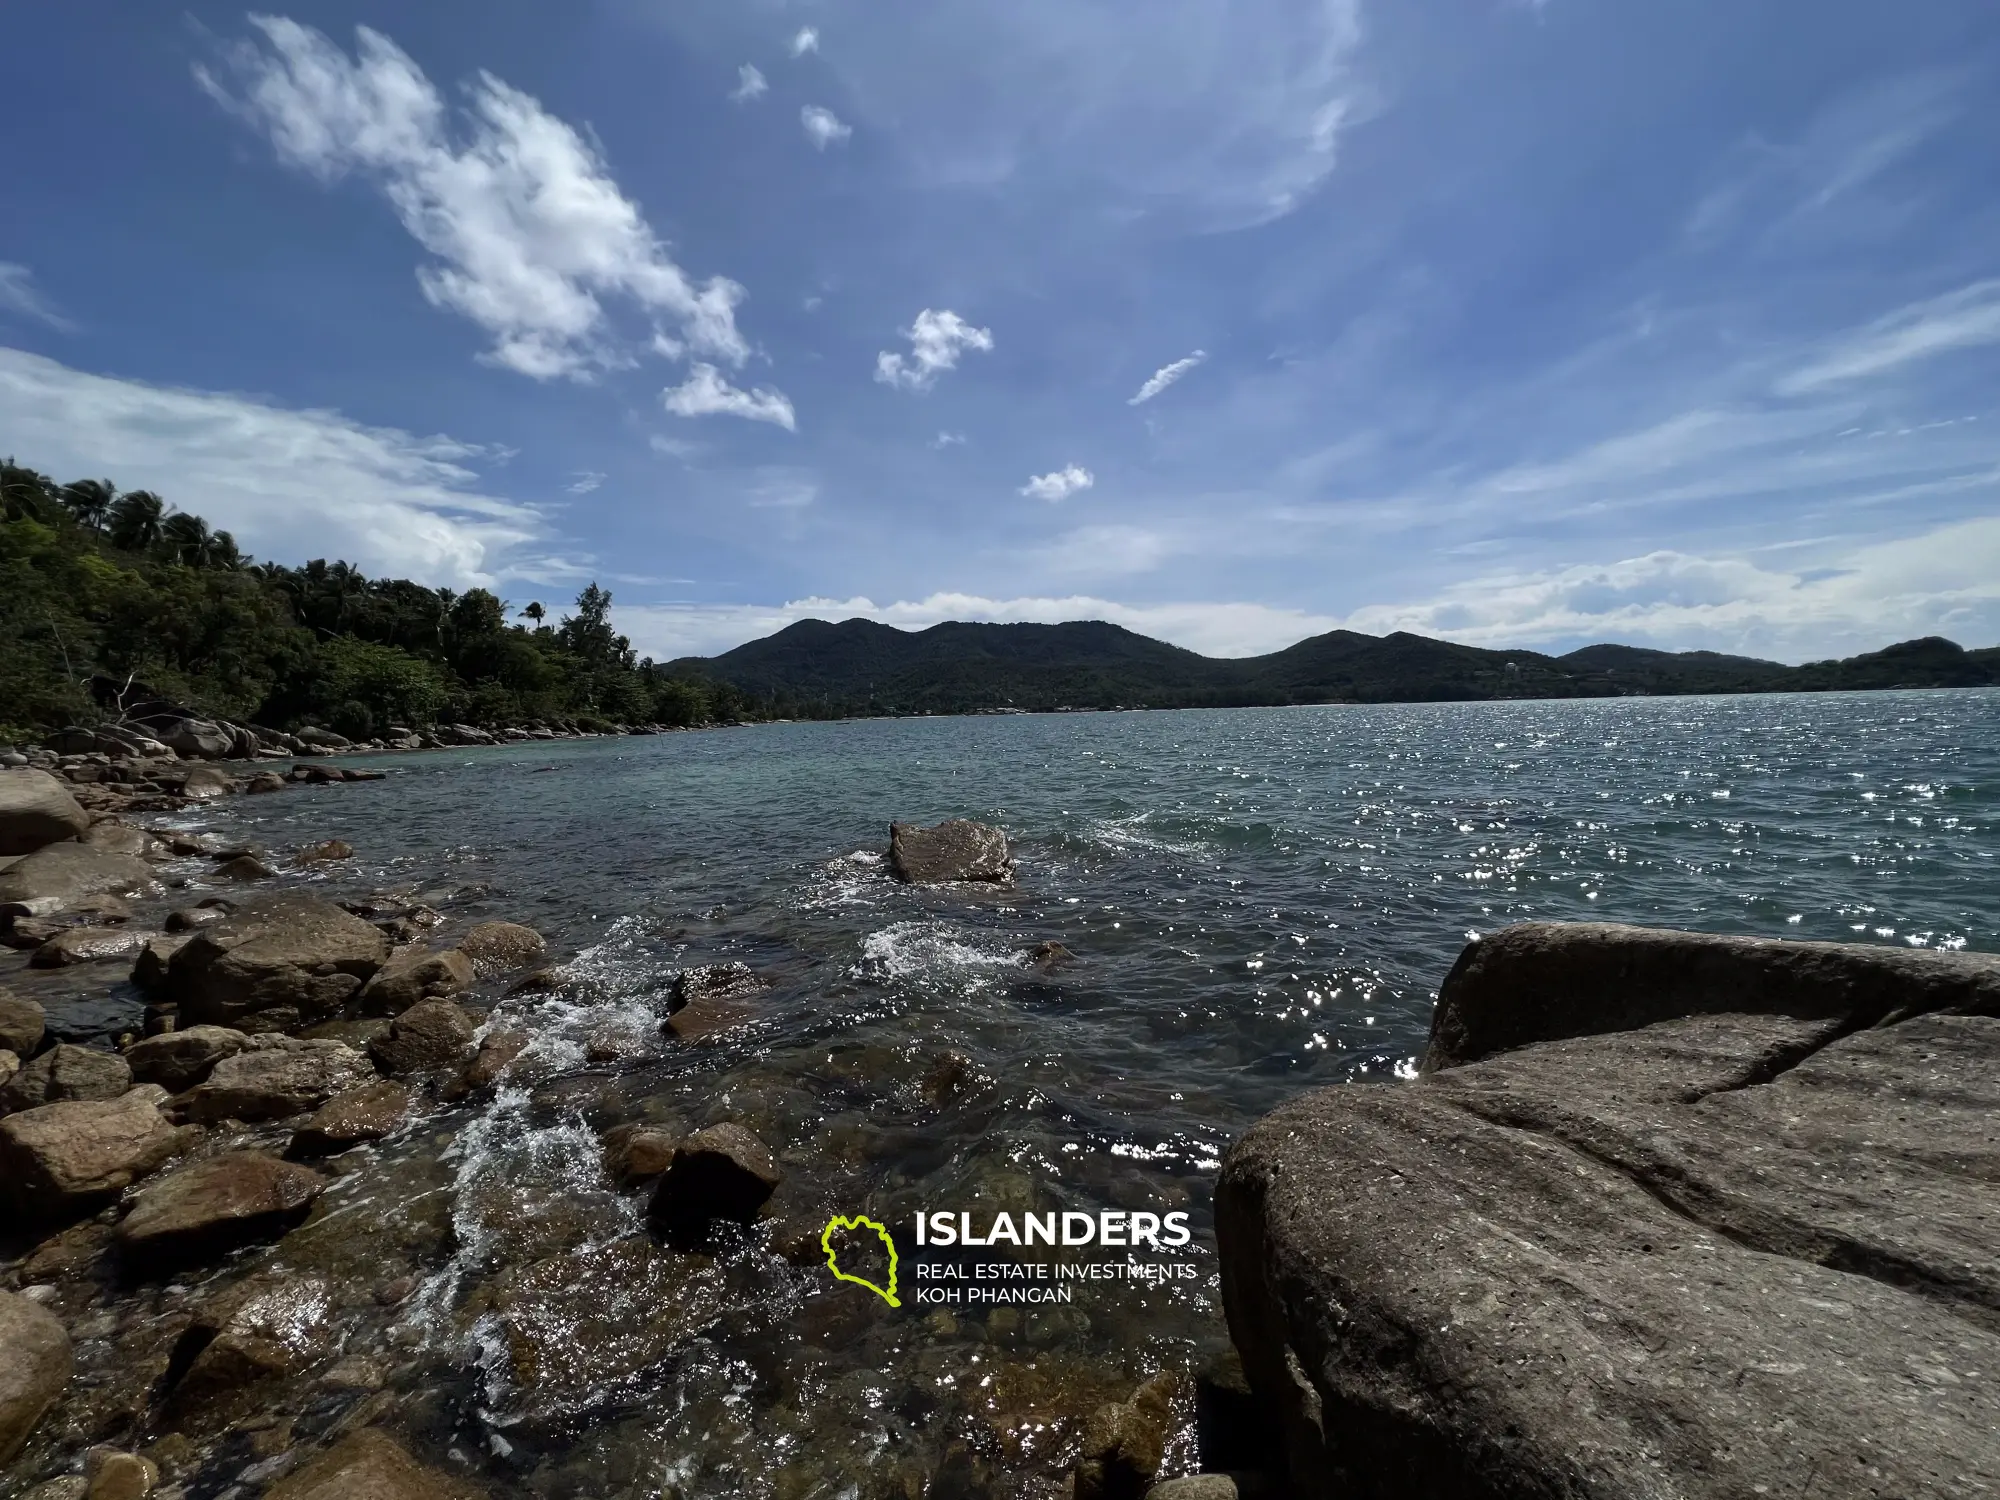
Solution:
(122, 838)
(429, 1037)
(952, 851)
(178, 1060)
(496, 947)
(197, 739)
(198, 1213)
(37, 1366)
(276, 1081)
(88, 945)
(1747, 1246)
(149, 969)
(276, 963)
(36, 810)
(323, 739)
(413, 975)
(57, 875)
(66, 1072)
(21, 1024)
(352, 1119)
(67, 1158)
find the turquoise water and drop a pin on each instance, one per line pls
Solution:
(1257, 901)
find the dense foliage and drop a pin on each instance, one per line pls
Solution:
(99, 584)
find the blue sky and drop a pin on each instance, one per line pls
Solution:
(1515, 323)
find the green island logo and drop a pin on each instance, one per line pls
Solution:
(833, 1255)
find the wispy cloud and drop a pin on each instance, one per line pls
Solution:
(750, 84)
(529, 232)
(823, 127)
(806, 40)
(1962, 319)
(20, 296)
(937, 339)
(584, 481)
(1165, 376)
(1059, 484)
(705, 393)
(948, 440)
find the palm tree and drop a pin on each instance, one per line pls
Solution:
(224, 553)
(187, 539)
(90, 501)
(536, 613)
(24, 494)
(134, 520)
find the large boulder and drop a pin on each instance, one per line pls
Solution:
(370, 1465)
(413, 975)
(721, 1173)
(66, 1158)
(21, 1024)
(352, 1119)
(426, 1038)
(497, 947)
(66, 1072)
(58, 875)
(178, 1060)
(959, 849)
(122, 838)
(1747, 1246)
(276, 1081)
(87, 945)
(197, 739)
(258, 1330)
(35, 810)
(37, 1365)
(200, 1212)
(276, 963)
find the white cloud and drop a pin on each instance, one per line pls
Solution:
(529, 231)
(1059, 484)
(20, 296)
(665, 631)
(289, 484)
(1962, 319)
(750, 84)
(948, 440)
(706, 394)
(823, 127)
(937, 339)
(584, 481)
(806, 41)
(1165, 376)
(783, 489)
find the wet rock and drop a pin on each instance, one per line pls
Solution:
(322, 739)
(263, 782)
(1233, 1429)
(198, 1213)
(36, 1367)
(496, 947)
(426, 1038)
(68, 1157)
(205, 783)
(149, 970)
(21, 931)
(496, 1050)
(193, 918)
(292, 955)
(273, 1082)
(21, 1024)
(122, 838)
(370, 1465)
(1049, 956)
(955, 850)
(37, 810)
(351, 1119)
(636, 1154)
(66, 1072)
(1201, 1487)
(721, 1173)
(355, 1373)
(245, 867)
(1750, 1249)
(264, 1329)
(71, 1254)
(945, 1079)
(712, 998)
(413, 975)
(62, 1487)
(1125, 1441)
(59, 875)
(114, 1475)
(87, 945)
(325, 853)
(10, 1064)
(178, 1060)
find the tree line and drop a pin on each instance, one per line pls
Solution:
(97, 583)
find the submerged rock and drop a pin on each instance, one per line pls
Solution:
(496, 1050)
(426, 1038)
(370, 1465)
(37, 810)
(245, 867)
(67, 1158)
(178, 1060)
(324, 853)
(273, 1082)
(723, 1172)
(959, 849)
(1125, 1441)
(351, 1119)
(201, 1212)
(37, 1365)
(413, 975)
(712, 998)
(259, 1330)
(1747, 1244)
(66, 1072)
(115, 1475)
(287, 960)
(637, 1154)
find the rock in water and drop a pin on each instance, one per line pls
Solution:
(36, 1367)
(1589, 1262)
(1124, 1442)
(201, 1212)
(57, 875)
(370, 1465)
(276, 1081)
(66, 1072)
(36, 810)
(20, 1024)
(87, 945)
(281, 961)
(425, 1038)
(149, 969)
(956, 850)
(178, 1060)
(723, 1172)
(324, 853)
(67, 1158)
(413, 975)
(496, 947)
(365, 1114)
(122, 838)
(258, 1330)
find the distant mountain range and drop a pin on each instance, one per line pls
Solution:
(861, 666)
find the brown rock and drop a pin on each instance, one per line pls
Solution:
(956, 850)
(20, 1024)
(36, 1367)
(324, 853)
(263, 1329)
(496, 1050)
(245, 867)
(428, 1037)
(496, 947)
(272, 1082)
(1049, 956)
(200, 1212)
(193, 918)
(1124, 1442)
(122, 838)
(723, 1172)
(370, 1465)
(66, 1072)
(360, 1115)
(37, 810)
(294, 956)
(10, 1064)
(87, 945)
(205, 783)
(72, 1156)
(113, 1475)
(635, 1154)
(59, 875)
(416, 974)
(264, 781)
(178, 1060)
(149, 970)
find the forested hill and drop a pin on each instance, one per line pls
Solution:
(860, 665)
